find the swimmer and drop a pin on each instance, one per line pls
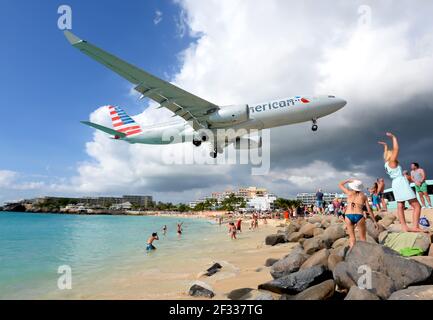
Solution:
(232, 230)
(164, 230)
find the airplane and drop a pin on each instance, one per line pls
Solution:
(202, 120)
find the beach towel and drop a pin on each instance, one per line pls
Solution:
(400, 240)
(410, 252)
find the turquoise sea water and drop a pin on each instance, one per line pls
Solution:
(33, 246)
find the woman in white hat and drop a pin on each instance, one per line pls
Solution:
(400, 185)
(357, 201)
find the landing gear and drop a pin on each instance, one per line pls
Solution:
(215, 151)
(197, 143)
(314, 126)
(213, 154)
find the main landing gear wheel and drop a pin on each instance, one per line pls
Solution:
(214, 154)
(315, 126)
(197, 143)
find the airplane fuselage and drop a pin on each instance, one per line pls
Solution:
(274, 113)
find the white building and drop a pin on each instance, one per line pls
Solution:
(261, 203)
(122, 206)
(310, 198)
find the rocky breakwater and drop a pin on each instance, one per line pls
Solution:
(322, 266)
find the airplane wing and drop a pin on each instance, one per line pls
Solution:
(104, 129)
(179, 101)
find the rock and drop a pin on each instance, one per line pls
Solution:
(292, 227)
(427, 260)
(372, 230)
(382, 236)
(321, 291)
(295, 237)
(301, 241)
(270, 261)
(423, 242)
(257, 295)
(273, 239)
(291, 263)
(430, 252)
(387, 220)
(414, 293)
(341, 251)
(390, 271)
(237, 294)
(325, 224)
(201, 290)
(307, 230)
(333, 233)
(356, 293)
(318, 231)
(314, 244)
(394, 228)
(340, 242)
(298, 281)
(318, 258)
(333, 260)
(213, 269)
(315, 219)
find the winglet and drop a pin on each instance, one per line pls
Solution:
(72, 38)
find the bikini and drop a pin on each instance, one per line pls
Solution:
(354, 217)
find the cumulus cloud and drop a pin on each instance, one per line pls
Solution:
(245, 51)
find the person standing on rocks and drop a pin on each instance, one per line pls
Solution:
(400, 185)
(418, 176)
(356, 202)
(319, 200)
(380, 190)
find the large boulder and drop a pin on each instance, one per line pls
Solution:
(291, 263)
(427, 260)
(356, 293)
(373, 230)
(307, 230)
(315, 219)
(317, 259)
(387, 220)
(213, 269)
(257, 295)
(333, 233)
(292, 227)
(333, 260)
(340, 242)
(382, 237)
(314, 244)
(389, 271)
(298, 281)
(295, 237)
(321, 291)
(414, 293)
(273, 239)
(423, 241)
(201, 290)
(237, 294)
(270, 262)
(318, 231)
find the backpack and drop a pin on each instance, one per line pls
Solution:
(424, 221)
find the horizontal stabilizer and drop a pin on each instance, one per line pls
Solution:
(104, 129)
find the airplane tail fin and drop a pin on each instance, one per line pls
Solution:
(122, 122)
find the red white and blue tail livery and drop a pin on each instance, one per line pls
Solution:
(122, 122)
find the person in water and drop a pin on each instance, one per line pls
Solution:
(400, 185)
(232, 230)
(179, 228)
(239, 225)
(150, 245)
(164, 230)
(357, 202)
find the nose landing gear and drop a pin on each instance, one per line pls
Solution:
(314, 127)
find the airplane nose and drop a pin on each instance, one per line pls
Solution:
(341, 103)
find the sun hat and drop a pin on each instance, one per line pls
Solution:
(356, 185)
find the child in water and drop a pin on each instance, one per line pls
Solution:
(150, 245)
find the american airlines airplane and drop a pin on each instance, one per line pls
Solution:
(203, 120)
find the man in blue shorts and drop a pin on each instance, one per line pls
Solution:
(319, 200)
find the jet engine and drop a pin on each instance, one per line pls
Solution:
(230, 115)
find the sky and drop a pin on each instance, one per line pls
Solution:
(378, 55)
